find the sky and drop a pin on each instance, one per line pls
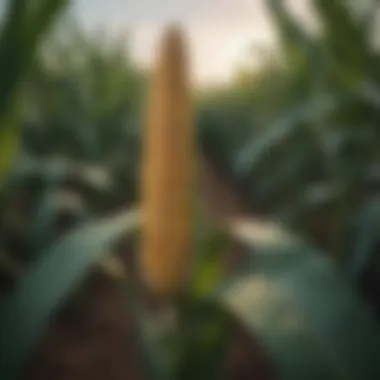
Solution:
(220, 32)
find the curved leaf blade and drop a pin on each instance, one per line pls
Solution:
(284, 128)
(23, 318)
(312, 322)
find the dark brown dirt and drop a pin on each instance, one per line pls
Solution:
(94, 339)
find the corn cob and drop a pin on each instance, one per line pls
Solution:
(167, 172)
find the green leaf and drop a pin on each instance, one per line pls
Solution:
(313, 323)
(283, 129)
(19, 39)
(209, 268)
(204, 328)
(367, 233)
(9, 145)
(346, 38)
(17, 49)
(25, 316)
(204, 336)
(43, 221)
(189, 342)
(368, 19)
(294, 38)
(158, 339)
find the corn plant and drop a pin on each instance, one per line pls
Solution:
(23, 28)
(21, 31)
(322, 153)
(78, 123)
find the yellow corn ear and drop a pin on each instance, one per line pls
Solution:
(167, 171)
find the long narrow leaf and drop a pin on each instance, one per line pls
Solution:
(19, 40)
(346, 38)
(294, 38)
(25, 316)
(282, 129)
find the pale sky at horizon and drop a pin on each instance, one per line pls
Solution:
(221, 32)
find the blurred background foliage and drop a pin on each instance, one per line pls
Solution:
(80, 113)
(299, 136)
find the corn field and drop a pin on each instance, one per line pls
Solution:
(149, 230)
